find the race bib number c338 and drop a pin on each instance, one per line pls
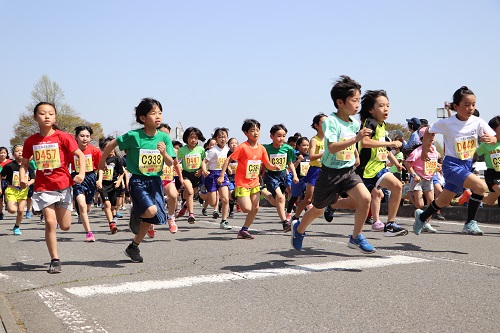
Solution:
(150, 160)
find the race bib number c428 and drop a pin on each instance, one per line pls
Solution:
(46, 156)
(279, 160)
(150, 160)
(465, 147)
(192, 161)
(253, 169)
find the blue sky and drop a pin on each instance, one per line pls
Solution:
(215, 63)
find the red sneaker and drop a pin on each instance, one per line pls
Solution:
(113, 228)
(151, 231)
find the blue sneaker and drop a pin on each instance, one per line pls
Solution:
(28, 214)
(17, 231)
(297, 238)
(472, 228)
(361, 244)
(418, 224)
(118, 215)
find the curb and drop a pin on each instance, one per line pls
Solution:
(8, 323)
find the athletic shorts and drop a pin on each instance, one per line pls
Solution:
(14, 195)
(108, 192)
(245, 192)
(146, 192)
(211, 181)
(4, 185)
(374, 182)
(31, 189)
(299, 188)
(331, 183)
(289, 179)
(275, 179)
(424, 185)
(192, 178)
(61, 198)
(492, 177)
(455, 171)
(87, 188)
(312, 175)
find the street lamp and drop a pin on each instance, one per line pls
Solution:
(442, 113)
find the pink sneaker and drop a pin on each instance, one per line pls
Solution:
(182, 211)
(171, 225)
(191, 218)
(151, 231)
(288, 216)
(89, 237)
(378, 226)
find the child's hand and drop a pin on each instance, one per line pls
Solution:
(396, 144)
(162, 147)
(78, 179)
(487, 138)
(206, 173)
(295, 180)
(102, 164)
(365, 131)
(98, 184)
(220, 180)
(300, 158)
(277, 167)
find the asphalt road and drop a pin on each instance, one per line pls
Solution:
(204, 279)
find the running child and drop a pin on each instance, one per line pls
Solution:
(231, 170)
(249, 155)
(211, 168)
(461, 134)
(316, 150)
(301, 166)
(84, 193)
(14, 195)
(4, 160)
(491, 154)
(337, 174)
(191, 156)
(52, 151)
(147, 150)
(282, 155)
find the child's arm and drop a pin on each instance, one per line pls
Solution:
(204, 167)
(22, 173)
(335, 147)
(395, 162)
(167, 159)
(312, 151)
(98, 183)
(81, 158)
(411, 171)
(109, 148)
(220, 180)
(119, 180)
(294, 172)
(356, 155)
(426, 145)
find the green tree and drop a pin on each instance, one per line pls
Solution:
(46, 90)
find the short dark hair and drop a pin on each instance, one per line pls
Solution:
(344, 87)
(277, 127)
(460, 93)
(164, 125)
(78, 129)
(218, 130)
(317, 119)
(494, 122)
(248, 124)
(104, 141)
(146, 105)
(194, 130)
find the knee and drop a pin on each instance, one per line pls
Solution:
(150, 212)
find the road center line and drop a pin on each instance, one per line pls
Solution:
(144, 286)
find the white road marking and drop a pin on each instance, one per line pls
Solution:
(73, 319)
(143, 286)
(3, 276)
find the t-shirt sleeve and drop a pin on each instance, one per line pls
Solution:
(169, 146)
(31, 172)
(5, 170)
(96, 157)
(124, 141)
(371, 124)
(330, 130)
(485, 128)
(27, 149)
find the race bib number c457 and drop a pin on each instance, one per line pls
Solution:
(193, 161)
(465, 147)
(88, 163)
(253, 169)
(150, 160)
(46, 156)
(279, 160)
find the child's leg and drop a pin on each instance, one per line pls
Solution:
(211, 199)
(82, 208)
(418, 199)
(280, 204)
(478, 188)
(172, 194)
(54, 216)
(492, 196)
(188, 195)
(11, 206)
(21, 204)
(306, 201)
(224, 199)
(250, 206)
(377, 196)
(393, 184)
(308, 218)
(360, 198)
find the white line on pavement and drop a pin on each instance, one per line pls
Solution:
(143, 286)
(73, 319)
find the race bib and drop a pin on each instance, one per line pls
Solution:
(193, 161)
(381, 152)
(88, 163)
(15, 179)
(168, 173)
(495, 161)
(150, 160)
(108, 173)
(220, 162)
(232, 166)
(279, 160)
(46, 156)
(430, 166)
(303, 168)
(348, 153)
(465, 147)
(253, 169)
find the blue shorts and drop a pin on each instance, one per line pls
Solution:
(211, 181)
(289, 179)
(455, 171)
(299, 188)
(87, 187)
(312, 175)
(374, 182)
(275, 179)
(146, 192)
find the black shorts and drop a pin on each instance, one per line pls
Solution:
(192, 178)
(491, 178)
(331, 183)
(109, 193)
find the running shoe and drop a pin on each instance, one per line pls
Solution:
(238, 208)
(439, 216)
(418, 224)
(17, 231)
(191, 218)
(204, 212)
(472, 228)
(182, 212)
(115, 219)
(361, 244)
(119, 215)
(79, 220)
(55, 266)
(244, 234)
(369, 220)
(215, 214)
(224, 225)
(113, 228)
(392, 229)
(134, 223)
(428, 228)
(134, 253)
(89, 237)
(172, 226)
(288, 216)
(151, 231)
(296, 238)
(28, 214)
(287, 226)
(378, 226)
(328, 214)
(231, 214)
